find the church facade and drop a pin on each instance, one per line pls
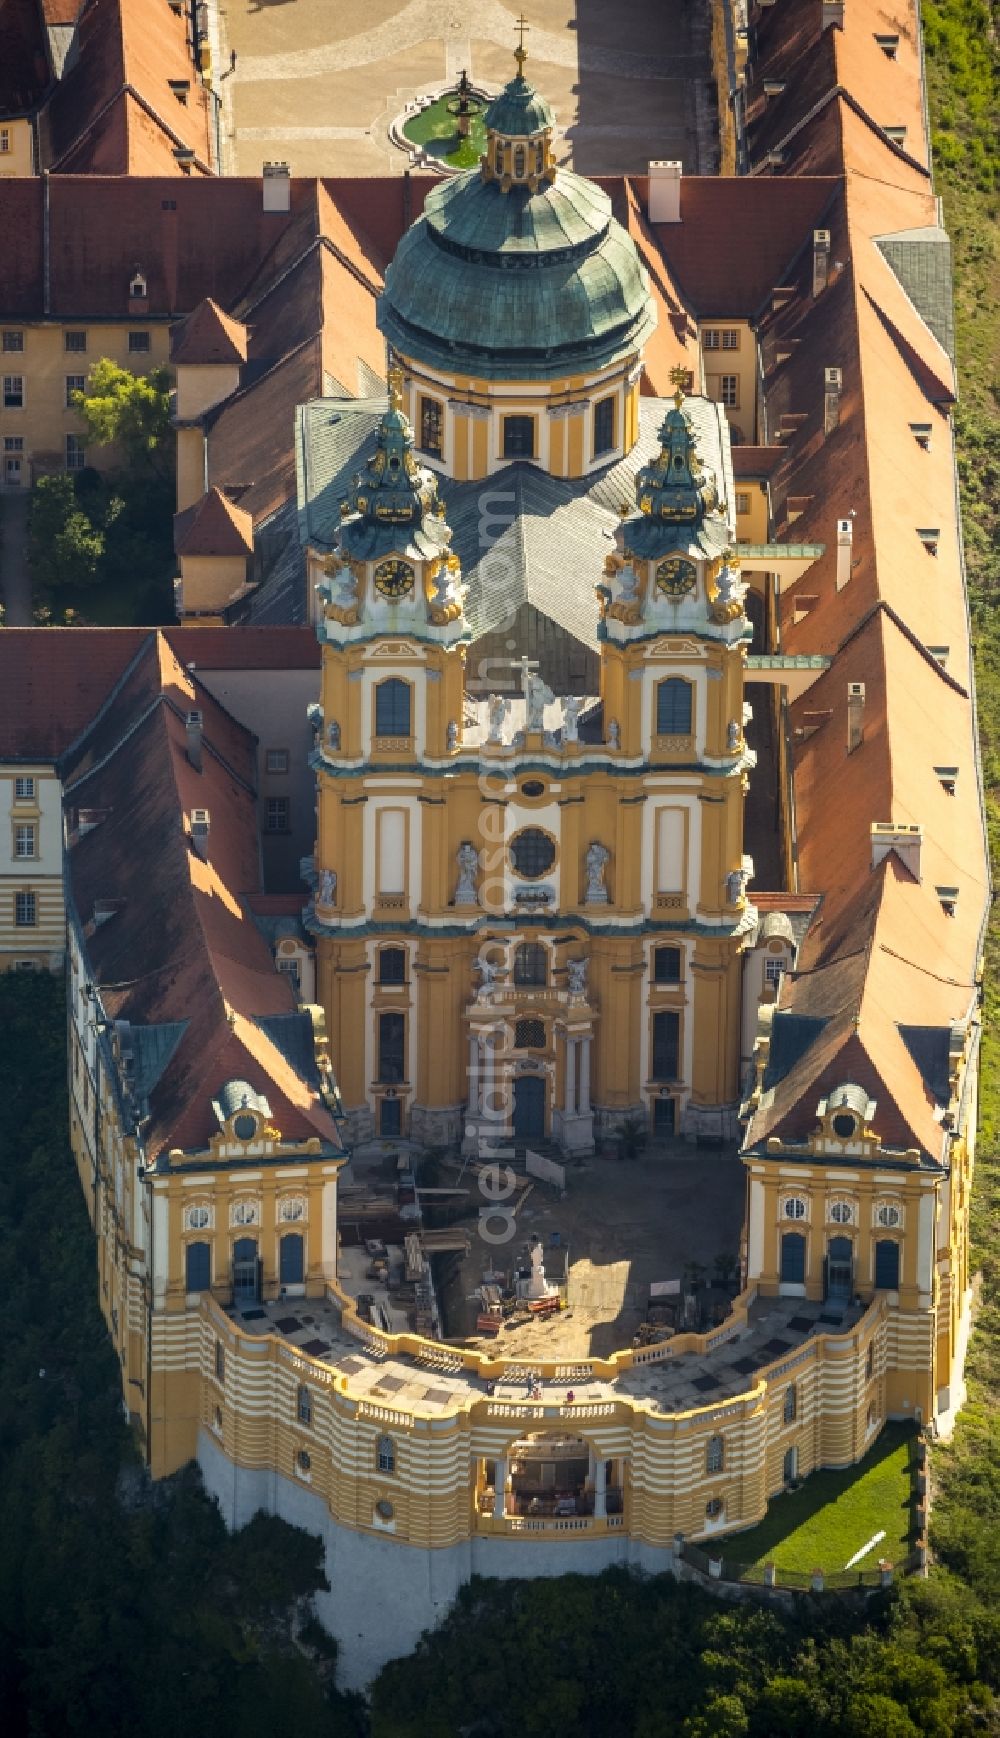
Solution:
(530, 906)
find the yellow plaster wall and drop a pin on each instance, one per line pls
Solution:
(45, 421)
(16, 154)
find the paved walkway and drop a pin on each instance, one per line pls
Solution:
(15, 578)
(318, 85)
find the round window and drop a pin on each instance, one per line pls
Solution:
(532, 853)
(841, 1213)
(889, 1216)
(198, 1218)
(384, 1509)
(533, 787)
(244, 1126)
(714, 1509)
(844, 1126)
(795, 1208)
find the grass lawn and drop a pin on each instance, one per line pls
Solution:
(437, 131)
(832, 1514)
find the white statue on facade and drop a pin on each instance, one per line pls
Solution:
(572, 707)
(598, 858)
(736, 884)
(537, 695)
(614, 734)
(733, 736)
(333, 734)
(489, 973)
(326, 891)
(576, 971)
(467, 858)
(452, 735)
(499, 708)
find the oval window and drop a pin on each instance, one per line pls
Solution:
(244, 1126)
(844, 1126)
(532, 853)
(533, 787)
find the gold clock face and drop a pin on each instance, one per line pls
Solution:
(676, 576)
(393, 578)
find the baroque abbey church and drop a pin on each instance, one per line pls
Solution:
(628, 730)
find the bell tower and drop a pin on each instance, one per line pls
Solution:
(393, 631)
(674, 634)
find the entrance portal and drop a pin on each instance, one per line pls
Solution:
(529, 1107)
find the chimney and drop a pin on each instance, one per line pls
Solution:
(201, 822)
(193, 724)
(904, 840)
(833, 13)
(277, 187)
(665, 191)
(832, 381)
(855, 715)
(845, 543)
(821, 260)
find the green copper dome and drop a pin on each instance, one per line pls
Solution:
(507, 282)
(519, 111)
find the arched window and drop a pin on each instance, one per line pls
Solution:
(673, 707)
(304, 1405)
(531, 964)
(870, 1361)
(385, 1454)
(392, 708)
(529, 1035)
(791, 1403)
(392, 965)
(498, 159)
(604, 427)
(886, 1265)
(715, 1454)
(793, 1258)
(520, 162)
(714, 1509)
(291, 1259)
(198, 1267)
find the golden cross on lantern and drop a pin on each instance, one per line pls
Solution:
(395, 378)
(679, 378)
(520, 52)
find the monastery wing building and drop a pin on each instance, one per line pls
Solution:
(627, 740)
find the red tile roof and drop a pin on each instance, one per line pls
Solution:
(55, 680)
(180, 947)
(213, 526)
(208, 335)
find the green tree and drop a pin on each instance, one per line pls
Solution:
(65, 546)
(130, 411)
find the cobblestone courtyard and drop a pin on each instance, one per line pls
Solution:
(318, 83)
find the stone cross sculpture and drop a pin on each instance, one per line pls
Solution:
(598, 858)
(537, 695)
(572, 707)
(467, 858)
(499, 708)
(326, 892)
(576, 971)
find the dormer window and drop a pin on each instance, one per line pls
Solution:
(888, 44)
(949, 900)
(949, 778)
(921, 432)
(930, 537)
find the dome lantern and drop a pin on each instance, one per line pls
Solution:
(519, 126)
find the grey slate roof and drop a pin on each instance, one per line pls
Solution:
(152, 1047)
(521, 535)
(921, 260)
(929, 1046)
(791, 1036)
(293, 1035)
